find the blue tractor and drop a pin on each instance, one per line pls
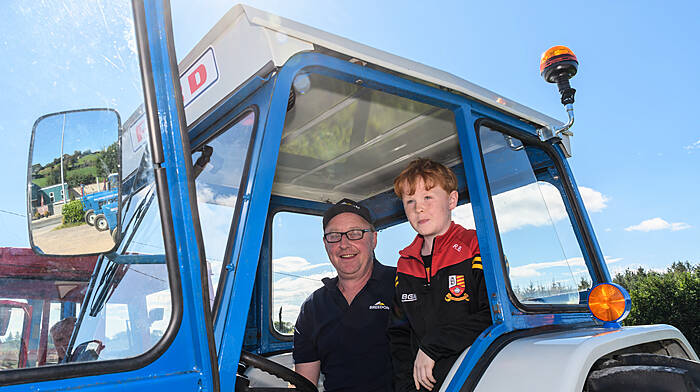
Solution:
(101, 207)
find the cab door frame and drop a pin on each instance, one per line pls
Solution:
(185, 357)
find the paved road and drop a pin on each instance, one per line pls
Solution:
(73, 240)
(43, 222)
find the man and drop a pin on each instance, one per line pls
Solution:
(60, 334)
(441, 303)
(341, 329)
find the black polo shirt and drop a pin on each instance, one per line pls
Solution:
(349, 340)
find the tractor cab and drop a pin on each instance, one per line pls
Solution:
(226, 163)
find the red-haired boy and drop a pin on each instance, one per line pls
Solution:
(441, 304)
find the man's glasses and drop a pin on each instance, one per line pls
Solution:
(353, 235)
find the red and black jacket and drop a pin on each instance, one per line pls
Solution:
(441, 309)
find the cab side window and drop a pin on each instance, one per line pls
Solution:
(299, 262)
(543, 256)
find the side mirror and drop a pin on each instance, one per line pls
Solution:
(74, 176)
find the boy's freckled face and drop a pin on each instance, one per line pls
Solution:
(429, 210)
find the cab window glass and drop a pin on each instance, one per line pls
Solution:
(543, 256)
(299, 262)
(64, 59)
(217, 191)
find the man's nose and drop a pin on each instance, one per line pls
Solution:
(344, 241)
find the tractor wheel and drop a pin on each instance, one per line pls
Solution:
(115, 235)
(101, 223)
(90, 217)
(645, 372)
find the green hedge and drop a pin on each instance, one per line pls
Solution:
(73, 212)
(671, 297)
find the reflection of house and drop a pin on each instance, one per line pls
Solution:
(50, 199)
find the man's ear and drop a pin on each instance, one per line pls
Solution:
(452, 199)
(374, 240)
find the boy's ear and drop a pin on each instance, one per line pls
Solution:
(452, 199)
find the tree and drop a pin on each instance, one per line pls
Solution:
(671, 297)
(108, 161)
(584, 284)
(54, 175)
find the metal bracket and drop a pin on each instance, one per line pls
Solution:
(496, 308)
(548, 132)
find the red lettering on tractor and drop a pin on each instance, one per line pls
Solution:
(192, 78)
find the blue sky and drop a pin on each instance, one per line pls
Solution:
(637, 138)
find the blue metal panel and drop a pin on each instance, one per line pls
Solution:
(238, 285)
(191, 346)
(261, 101)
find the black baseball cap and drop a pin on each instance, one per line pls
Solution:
(346, 205)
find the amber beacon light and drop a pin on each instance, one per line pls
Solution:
(609, 303)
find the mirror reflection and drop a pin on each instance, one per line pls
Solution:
(73, 192)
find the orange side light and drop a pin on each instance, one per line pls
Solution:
(607, 302)
(552, 54)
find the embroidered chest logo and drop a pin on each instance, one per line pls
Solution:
(379, 306)
(408, 297)
(457, 289)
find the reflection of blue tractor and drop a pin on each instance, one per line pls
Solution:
(101, 207)
(108, 218)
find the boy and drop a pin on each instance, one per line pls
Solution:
(440, 304)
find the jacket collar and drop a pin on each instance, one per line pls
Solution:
(441, 241)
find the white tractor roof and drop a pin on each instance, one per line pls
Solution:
(246, 39)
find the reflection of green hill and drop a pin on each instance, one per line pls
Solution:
(41, 182)
(88, 159)
(79, 168)
(74, 177)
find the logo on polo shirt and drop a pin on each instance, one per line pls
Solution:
(379, 306)
(409, 297)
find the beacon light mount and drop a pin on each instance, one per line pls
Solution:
(558, 64)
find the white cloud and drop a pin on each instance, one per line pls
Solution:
(215, 221)
(655, 224)
(537, 204)
(290, 292)
(206, 195)
(592, 199)
(294, 264)
(693, 146)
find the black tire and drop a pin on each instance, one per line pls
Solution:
(101, 223)
(252, 360)
(645, 372)
(90, 217)
(115, 235)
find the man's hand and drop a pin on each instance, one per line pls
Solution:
(423, 371)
